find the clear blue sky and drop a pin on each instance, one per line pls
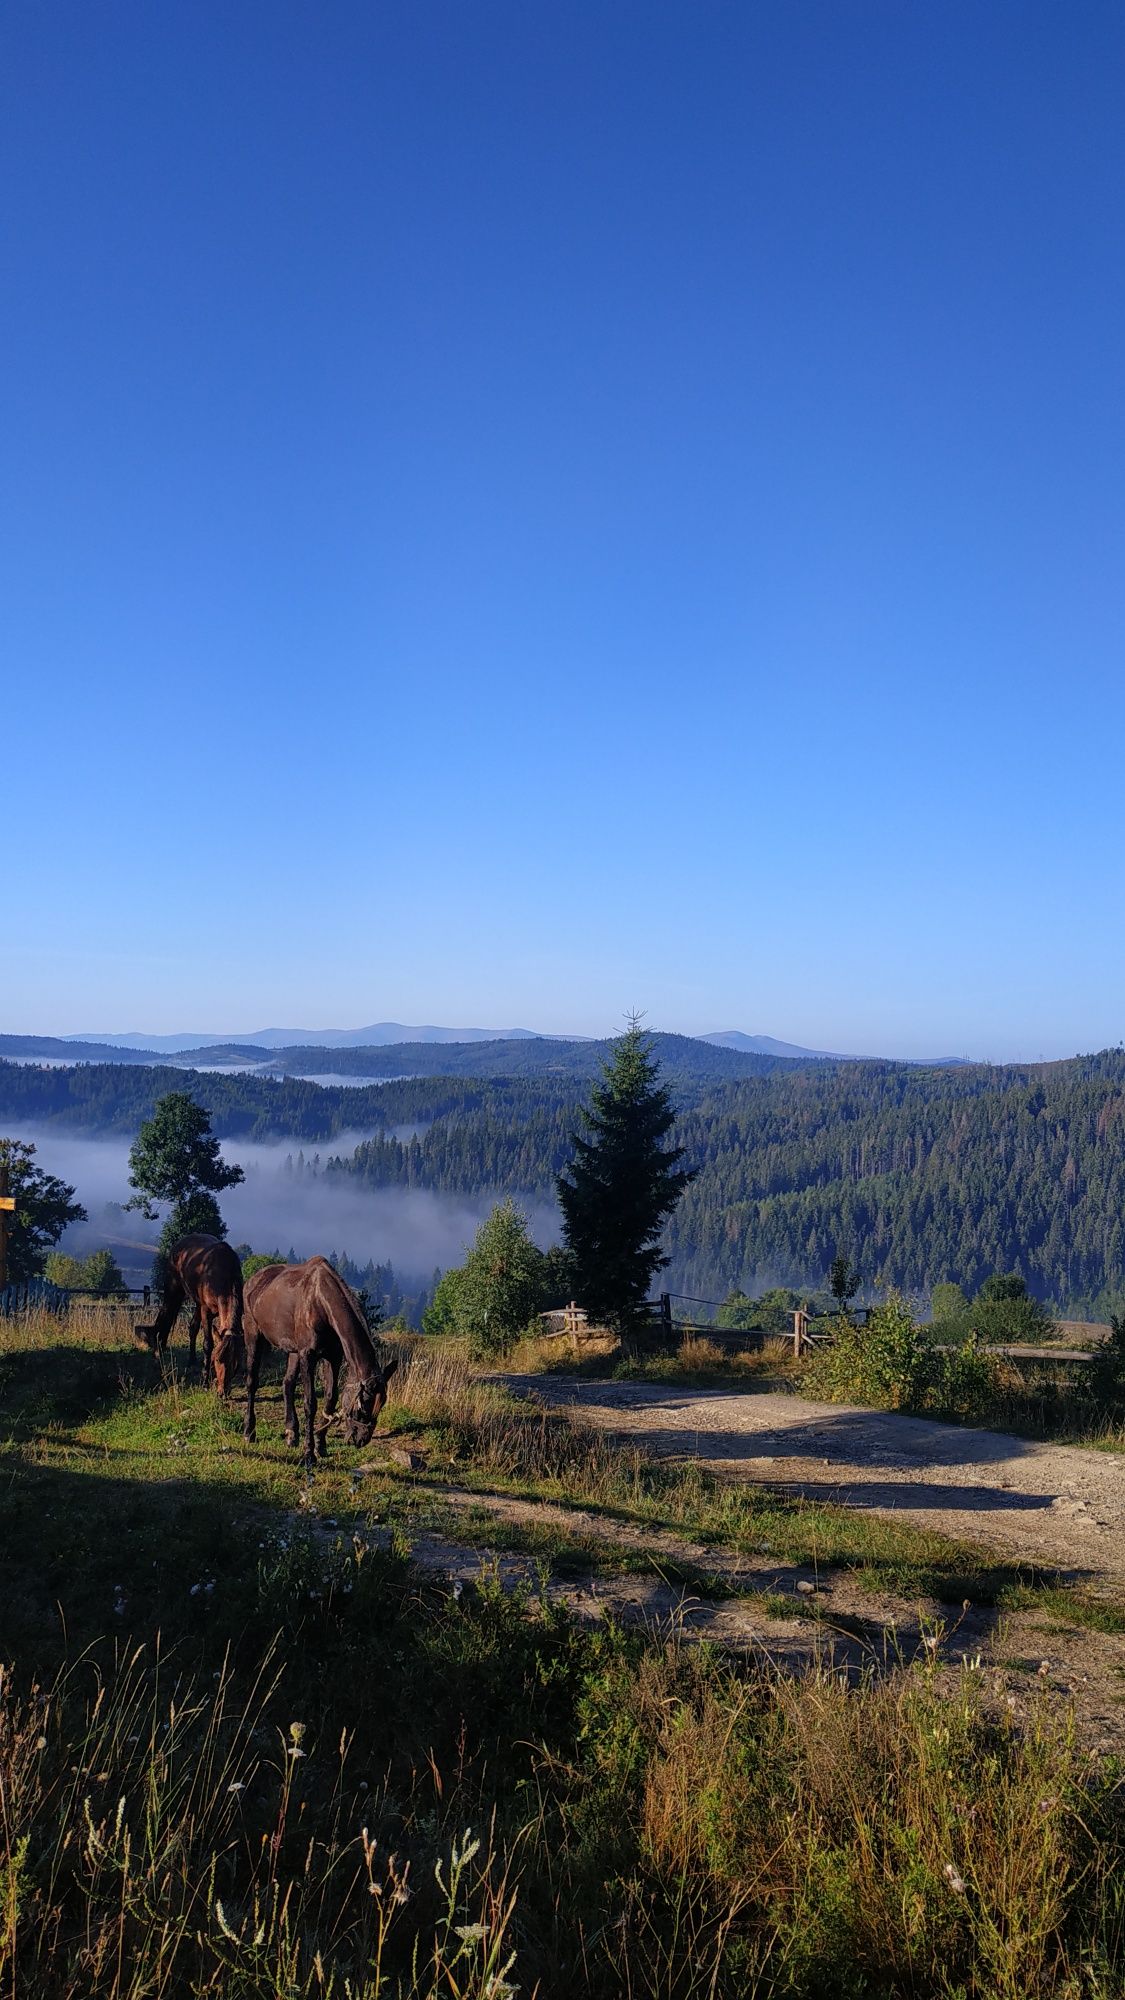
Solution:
(517, 511)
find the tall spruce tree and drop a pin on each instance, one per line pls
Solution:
(621, 1185)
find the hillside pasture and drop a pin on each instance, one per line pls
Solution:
(249, 1748)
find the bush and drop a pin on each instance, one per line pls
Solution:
(883, 1364)
(887, 1365)
(1004, 1311)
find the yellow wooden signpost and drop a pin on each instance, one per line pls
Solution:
(7, 1208)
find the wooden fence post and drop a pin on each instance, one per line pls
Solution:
(800, 1331)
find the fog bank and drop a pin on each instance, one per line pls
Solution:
(415, 1229)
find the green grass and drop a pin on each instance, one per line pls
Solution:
(92, 1415)
(239, 1751)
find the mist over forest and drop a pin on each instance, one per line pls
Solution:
(919, 1175)
(287, 1202)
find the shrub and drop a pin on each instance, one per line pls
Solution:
(888, 1366)
(883, 1364)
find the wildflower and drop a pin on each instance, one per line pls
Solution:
(239, 1785)
(41, 1743)
(471, 1933)
(1044, 1669)
(955, 1881)
(929, 1641)
(298, 1731)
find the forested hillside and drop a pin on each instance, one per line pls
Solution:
(919, 1174)
(685, 1060)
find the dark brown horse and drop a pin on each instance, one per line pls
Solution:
(307, 1312)
(203, 1271)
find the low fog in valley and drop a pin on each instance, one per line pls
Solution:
(414, 1229)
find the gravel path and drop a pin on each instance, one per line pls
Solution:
(1059, 1505)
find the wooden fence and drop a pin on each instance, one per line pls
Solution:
(30, 1293)
(810, 1330)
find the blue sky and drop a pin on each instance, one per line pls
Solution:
(513, 512)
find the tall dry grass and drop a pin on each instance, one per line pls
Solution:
(88, 1324)
(515, 1438)
(704, 1833)
(155, 1839)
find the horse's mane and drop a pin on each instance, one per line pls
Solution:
(343, 1296)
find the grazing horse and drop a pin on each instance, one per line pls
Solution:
(205, 1271)
(307, 1312)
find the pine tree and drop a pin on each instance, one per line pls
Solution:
(621, 1185)
(175, 1158)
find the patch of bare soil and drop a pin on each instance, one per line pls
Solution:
(833, 1622)
(1055, 1505)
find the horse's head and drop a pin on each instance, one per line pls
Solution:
(362, 1413)
(228, 1361)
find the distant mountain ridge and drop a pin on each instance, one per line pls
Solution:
(686, 1060)
(135, 1046)
(765, 1045)
(321, 1038)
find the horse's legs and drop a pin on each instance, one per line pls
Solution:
(206, 1320)
(289, 1393)
(308, 1386)
(253, 1363)
(225, 1330)
(332, 1363)
(158, 1334)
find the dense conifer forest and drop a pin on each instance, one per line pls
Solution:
(920, 1174)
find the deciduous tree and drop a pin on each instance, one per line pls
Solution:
(44, 1206)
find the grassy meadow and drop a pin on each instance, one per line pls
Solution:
(244, 1752)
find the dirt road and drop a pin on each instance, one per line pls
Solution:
(1058, 1505)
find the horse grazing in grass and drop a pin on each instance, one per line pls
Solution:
(307, 1312)
(203, 1271)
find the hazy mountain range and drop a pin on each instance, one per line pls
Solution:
(321, 1038)
(133, 1045)
(381, 1033)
